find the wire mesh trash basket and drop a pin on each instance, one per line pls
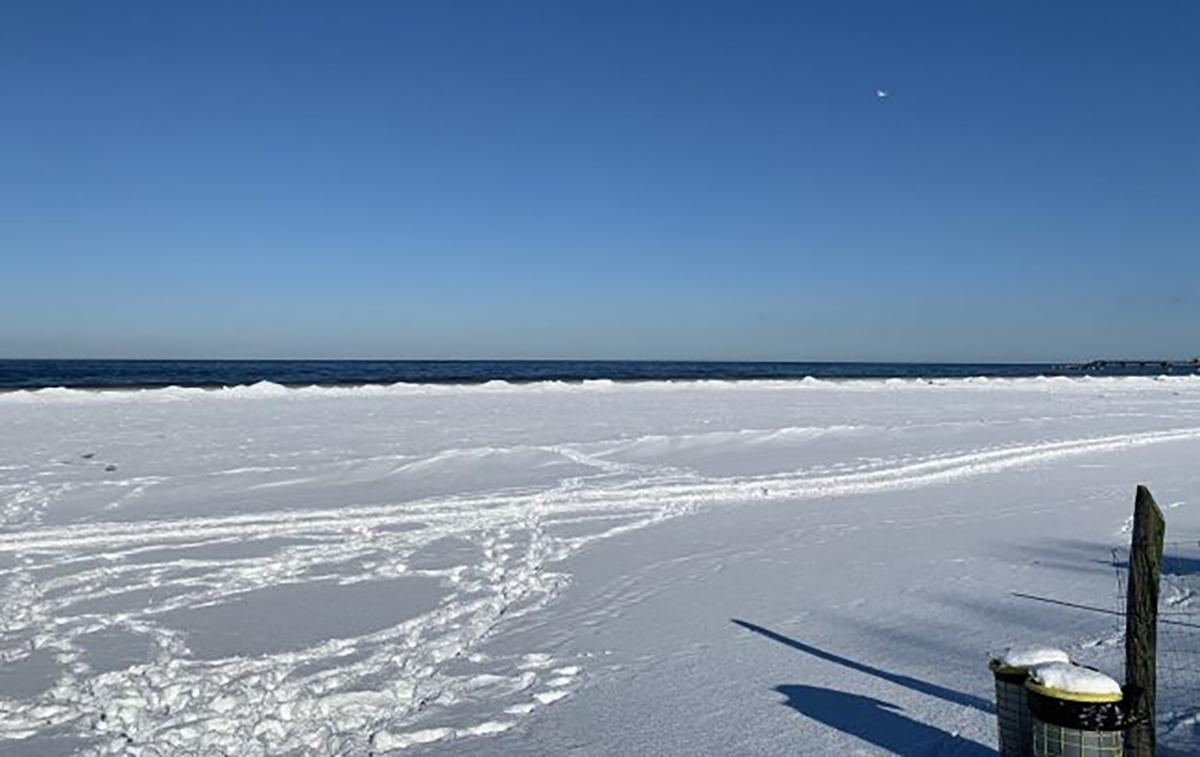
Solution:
(1071, 724)
(1010, 669)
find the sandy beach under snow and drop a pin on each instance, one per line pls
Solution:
(656, 568)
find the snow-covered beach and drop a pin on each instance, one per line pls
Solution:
(647, 568)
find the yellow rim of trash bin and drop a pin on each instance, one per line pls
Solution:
(1071, 696)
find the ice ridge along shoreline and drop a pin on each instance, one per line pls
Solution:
(268, 389)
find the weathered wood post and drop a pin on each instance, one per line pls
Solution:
(1141, 622)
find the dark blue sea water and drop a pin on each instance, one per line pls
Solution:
(33, 374)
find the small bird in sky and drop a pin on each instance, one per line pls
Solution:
(881, 93)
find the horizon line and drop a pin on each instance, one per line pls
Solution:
(1057, 361)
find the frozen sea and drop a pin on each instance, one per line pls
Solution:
(688, 567)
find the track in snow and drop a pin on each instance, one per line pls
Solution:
(450, 568)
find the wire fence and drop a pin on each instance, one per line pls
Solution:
(1178, 699)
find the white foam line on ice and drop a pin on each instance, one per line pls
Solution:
(269, 390)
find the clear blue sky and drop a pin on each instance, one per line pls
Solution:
(600, 179)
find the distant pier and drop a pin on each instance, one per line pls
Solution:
(1147, 366)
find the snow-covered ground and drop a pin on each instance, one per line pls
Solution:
(660, 568)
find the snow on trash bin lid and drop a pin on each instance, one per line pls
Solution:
(1018, 658)
(1066, 681)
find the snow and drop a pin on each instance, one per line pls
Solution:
(1073, 679)
(765, 567)
(1027, 656)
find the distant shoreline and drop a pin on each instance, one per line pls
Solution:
(217, 374)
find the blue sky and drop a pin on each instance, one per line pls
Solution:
(608, 179)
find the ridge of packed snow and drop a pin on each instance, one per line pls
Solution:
(268, 389)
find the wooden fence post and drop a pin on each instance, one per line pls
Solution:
(1141, 622)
